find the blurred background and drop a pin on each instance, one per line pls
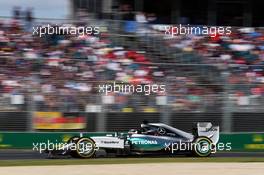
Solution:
(51, 83)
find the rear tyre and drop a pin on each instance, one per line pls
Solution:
(202, 147)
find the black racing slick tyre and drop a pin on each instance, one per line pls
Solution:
(73, 140)
(202, 147)
(85, 148)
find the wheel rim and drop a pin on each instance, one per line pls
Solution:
(85, 147)
(203, 147)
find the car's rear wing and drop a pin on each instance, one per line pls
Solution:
(207, 129)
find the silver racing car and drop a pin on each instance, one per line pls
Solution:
(149, 139)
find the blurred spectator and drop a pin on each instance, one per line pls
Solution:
(16, 13)
(29, 19)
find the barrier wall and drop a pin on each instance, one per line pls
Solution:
(22, 140)
(244, 141)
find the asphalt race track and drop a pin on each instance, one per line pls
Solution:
(29, 154)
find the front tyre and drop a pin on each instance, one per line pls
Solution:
(85, 148)
(73, 141)
(202, 146)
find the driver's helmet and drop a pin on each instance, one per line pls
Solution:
(133, 131)
(151, 132)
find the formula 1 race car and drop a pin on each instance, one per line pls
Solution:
(150, 139)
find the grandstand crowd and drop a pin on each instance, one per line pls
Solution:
(62, 72)
(240, 54)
